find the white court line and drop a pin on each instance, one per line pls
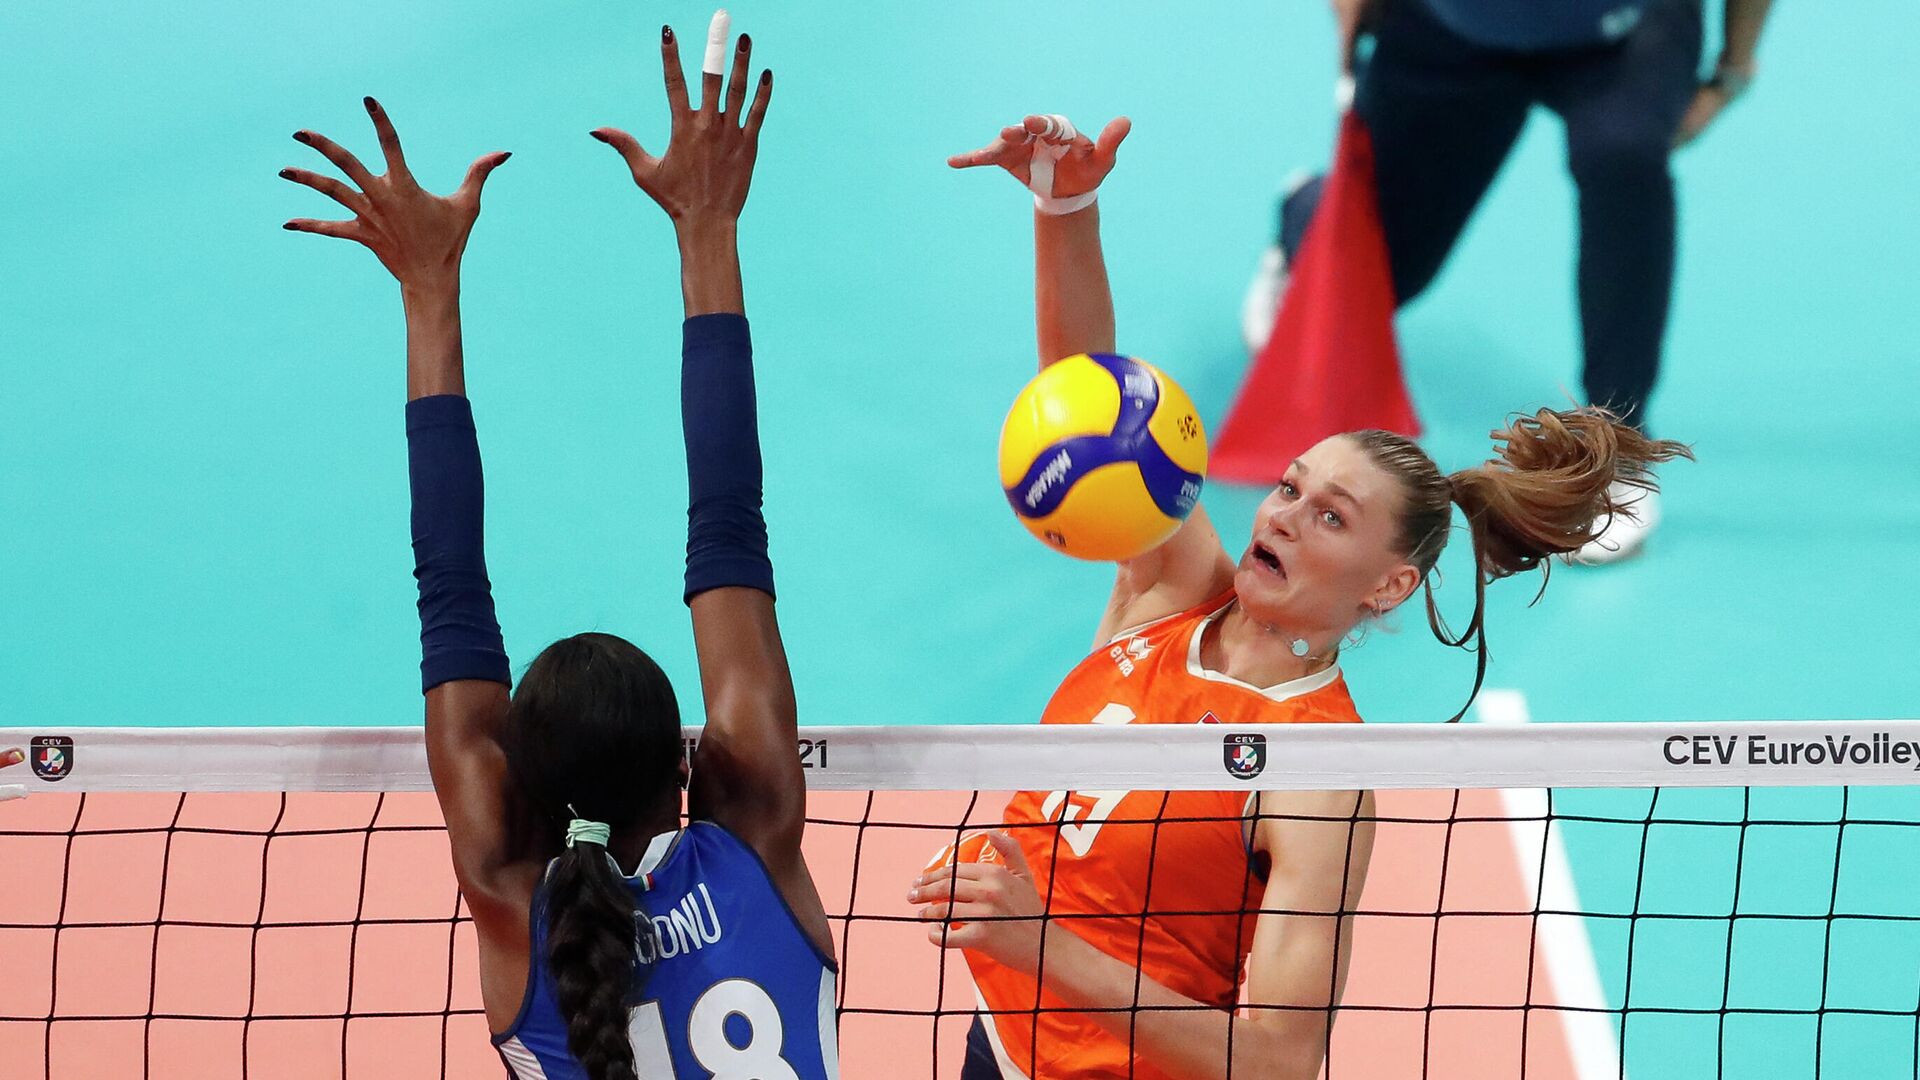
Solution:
(1564, 944)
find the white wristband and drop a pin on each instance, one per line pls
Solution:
(1048, 205)
(12, 791)
(1040, 169)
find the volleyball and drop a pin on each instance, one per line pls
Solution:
(1102, 457)
(971, 847)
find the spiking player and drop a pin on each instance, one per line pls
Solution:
(712, 957)
(1182, 904)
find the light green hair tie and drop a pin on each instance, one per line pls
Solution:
(593, 832)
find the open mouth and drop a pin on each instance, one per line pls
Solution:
(1269, 561)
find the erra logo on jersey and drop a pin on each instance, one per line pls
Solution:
(1129, 653)
(689, 925)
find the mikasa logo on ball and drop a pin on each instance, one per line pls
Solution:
(1055, 472)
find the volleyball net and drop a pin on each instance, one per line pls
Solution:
(1547, 901)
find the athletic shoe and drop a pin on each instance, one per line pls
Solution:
(1627, 533)
(1262, 304)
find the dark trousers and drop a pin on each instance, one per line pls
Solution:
(979, 1063)
(1444, 113)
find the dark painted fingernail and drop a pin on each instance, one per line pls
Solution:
(666, 33)
(369, 103)
(286, 174)
(289, 227)
(766, 77)
(504, 155)
(746, 42)
(601, 137)
(301, 136)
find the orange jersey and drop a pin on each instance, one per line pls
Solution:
(1135, 852)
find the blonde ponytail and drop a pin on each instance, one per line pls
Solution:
(1550, 489)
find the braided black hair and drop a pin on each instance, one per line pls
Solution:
(594, 733)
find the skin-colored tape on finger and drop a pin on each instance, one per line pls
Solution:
(717, 31)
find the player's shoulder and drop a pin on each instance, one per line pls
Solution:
(699, 847)
(1320, 698)
(1331, 703)
(1171, 624)
(709, 837)
(1124, 676)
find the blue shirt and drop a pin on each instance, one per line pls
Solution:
(736, 987)
(1532, 25)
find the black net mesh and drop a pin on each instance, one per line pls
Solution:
(1579, 933)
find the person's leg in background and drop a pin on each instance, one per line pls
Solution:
(1622, 106)
(1443, 114)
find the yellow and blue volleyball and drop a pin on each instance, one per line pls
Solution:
(1102, 457)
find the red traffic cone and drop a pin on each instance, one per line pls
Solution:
(1331, 364)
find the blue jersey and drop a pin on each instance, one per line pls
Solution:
(736, 988)
(1532, 25)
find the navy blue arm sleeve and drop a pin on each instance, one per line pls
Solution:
(459, 636)
(726, 534)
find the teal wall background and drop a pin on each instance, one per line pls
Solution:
(202, 491)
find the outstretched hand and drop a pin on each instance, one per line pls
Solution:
(418, 236)
(703, 176)
(989, 905)
(1080, 167)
